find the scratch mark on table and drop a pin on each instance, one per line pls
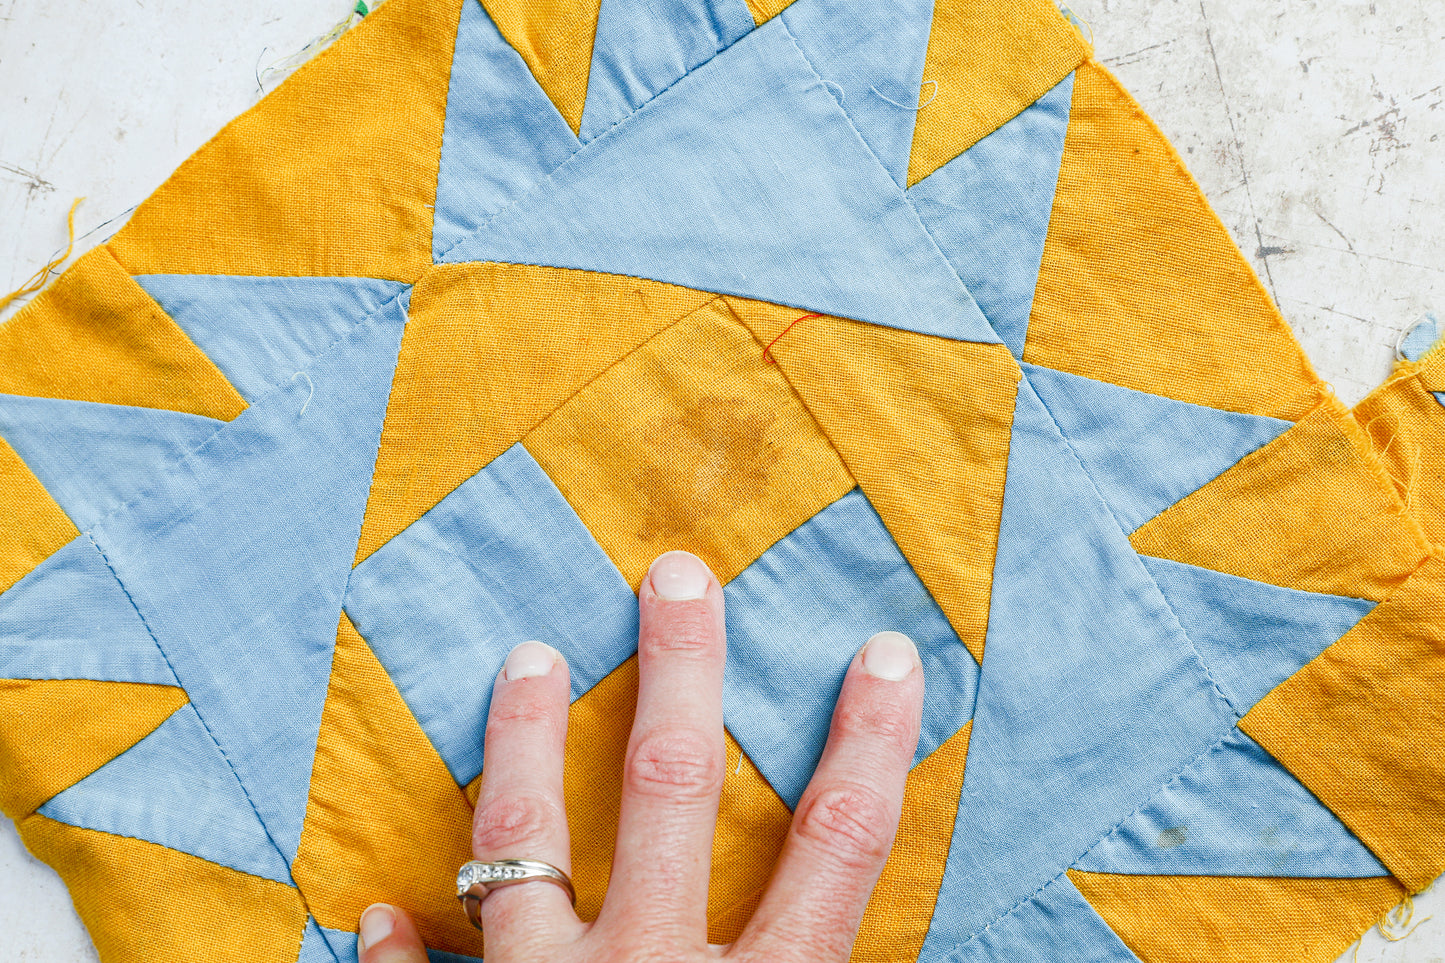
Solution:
(33, 182)
(1239, 149)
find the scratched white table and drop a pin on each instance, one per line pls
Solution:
(1314, 127)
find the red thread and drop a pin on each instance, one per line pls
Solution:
(767, 352)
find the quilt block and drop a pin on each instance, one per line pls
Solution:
(901, 317)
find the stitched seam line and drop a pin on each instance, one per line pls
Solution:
(206, 725)
(901, 194)
(169, 466)
(955, 952)
(1174, 616)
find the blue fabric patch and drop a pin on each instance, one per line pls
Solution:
(501, 560)
(989, 210)
(1056, 923)
(870, 53)
(641, 49)
(239, 559)
(314, 948)
(1145, 452)
(70, 619)
(1421, 338)
(1235, 812)
(93, 457)
(1252, 636)
(756, 221)
(174, 788)
(261, 330)
(796, 618)
(1089, 696)
(502, 135)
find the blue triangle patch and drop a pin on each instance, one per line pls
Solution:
(1082, 674)
(759, 220)
(1252, 636)
(70, 619)
(1144, 452)
(239, 563)
(174, 788)
(262, 330)
(93, 457)
(797, 616)
(1235, 812)
(503, 135)
(871, 56)
(642, 49)
(989, 210)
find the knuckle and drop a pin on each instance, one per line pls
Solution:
(527, 710)
(508, 822)
(876, 721)
(852, 823)
(691, 630)
(676, 763)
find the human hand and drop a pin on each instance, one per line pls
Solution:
(656, 903)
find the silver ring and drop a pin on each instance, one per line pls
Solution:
(476, 879)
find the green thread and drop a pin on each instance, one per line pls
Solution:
(361, 8)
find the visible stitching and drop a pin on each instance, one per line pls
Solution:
(206, 725)
(1198, 657)
(314, 360)
(954, 951)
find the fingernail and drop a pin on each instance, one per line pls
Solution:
(890, 655)
(679, 576)
(377, 922)
(529, 660)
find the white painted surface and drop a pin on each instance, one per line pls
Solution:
(1314, 128)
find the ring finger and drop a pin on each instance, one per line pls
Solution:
(520, 810)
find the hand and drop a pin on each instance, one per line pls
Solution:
(656, 902)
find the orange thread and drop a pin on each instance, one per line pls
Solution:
(767, 352)
(40, 277)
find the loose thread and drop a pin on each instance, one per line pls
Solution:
(288, 64)
(1069, 11)
(39, 279)
(310, 384)
(768, 351)
(905, 106)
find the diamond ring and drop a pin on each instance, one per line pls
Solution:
(476, 879)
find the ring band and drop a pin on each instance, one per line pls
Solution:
(477, 879)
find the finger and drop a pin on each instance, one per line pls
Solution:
(675, 757)
(521, 813)
(388, 936)
(844, 825)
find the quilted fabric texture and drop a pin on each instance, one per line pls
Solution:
(901, 316)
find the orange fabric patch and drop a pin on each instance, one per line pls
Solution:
(489, 351)
(901, 908)
(1406, 425)
(1188, 919)
(1313, 510)
(1362, 725)
(692, 442)
(332, 174)
(990, 60)
(35, 528)
(555, 38)
(43, 751)
(1141, 285)
(385, 820)
(924, 424)
(145, 903)
(95, 335)
(765, 10)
